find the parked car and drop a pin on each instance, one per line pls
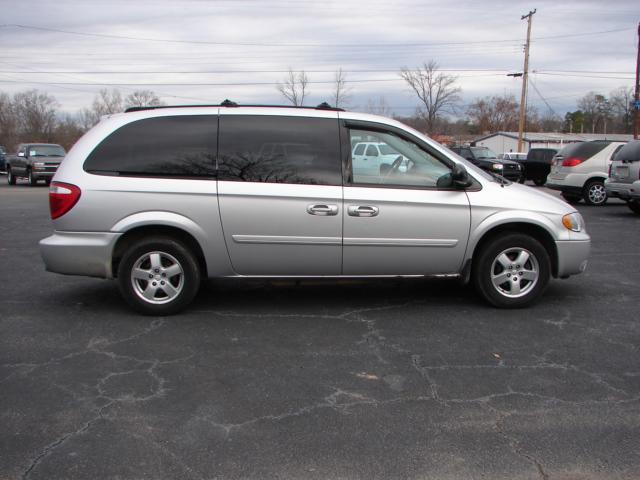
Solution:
(159, 198)
(370, 157)
(537, 164)
(624, 176)
(3, 160)
(515, 156)
(34, 161)
(580, 169)
(487, 160)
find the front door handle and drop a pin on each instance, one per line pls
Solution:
(322, 210)
(362, 211)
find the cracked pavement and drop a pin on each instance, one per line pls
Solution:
(353, 379)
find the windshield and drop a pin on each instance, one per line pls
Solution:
(482, 152)
(46, 151)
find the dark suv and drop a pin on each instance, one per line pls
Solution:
(487, 160)
(537, 165)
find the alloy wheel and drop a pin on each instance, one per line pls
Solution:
(157, 277)
(514, 272)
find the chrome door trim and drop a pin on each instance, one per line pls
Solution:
(401, 242)
(322, 209)
(286, 240)
(362, 211)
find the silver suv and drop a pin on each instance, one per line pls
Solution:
(624, 176)
(160, 198)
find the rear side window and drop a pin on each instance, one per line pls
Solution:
(183, 146)
(583, 150)
(277, 149)
(629, 152)
(359, 149)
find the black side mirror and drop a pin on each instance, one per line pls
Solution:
(460, 176)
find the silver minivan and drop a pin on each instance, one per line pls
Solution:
(160, 198)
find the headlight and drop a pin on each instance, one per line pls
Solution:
(497, 166)
(573, 221)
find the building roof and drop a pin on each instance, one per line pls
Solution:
(562, 137)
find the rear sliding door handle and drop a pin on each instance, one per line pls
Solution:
(322, 210)
(362, 211)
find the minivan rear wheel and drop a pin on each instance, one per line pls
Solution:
(158, 276)
(594, 193)
(512, 271)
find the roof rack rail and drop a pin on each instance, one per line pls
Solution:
(231, 104)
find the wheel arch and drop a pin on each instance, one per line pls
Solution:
(535, 230)
(143, 231)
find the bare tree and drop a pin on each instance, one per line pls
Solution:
(493, 114)
(436, 90)
(142, 98)
(620, 100)
(104, 103)
(341, 92)
(378, 107)
(596, 109)
(8, 122)
(35, 113)
(294, 87)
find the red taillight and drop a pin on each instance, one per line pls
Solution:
(571, 162)
(62, 198)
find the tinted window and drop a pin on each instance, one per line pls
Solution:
(630, 152)
(276, 149)
(583, 150)
(410, 166)
(359, 149)
(163, 146)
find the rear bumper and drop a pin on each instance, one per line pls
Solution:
(79, 253)
(572, 256)
(625, 191)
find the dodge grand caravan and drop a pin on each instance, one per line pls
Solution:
(159, 198)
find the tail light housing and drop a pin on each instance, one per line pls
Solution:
(62, 198)
(571, 162)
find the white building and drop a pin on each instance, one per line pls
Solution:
(502, 142)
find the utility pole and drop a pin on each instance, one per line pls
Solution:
(525, 77)
(636, 111)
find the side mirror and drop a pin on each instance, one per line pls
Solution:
(460, 176)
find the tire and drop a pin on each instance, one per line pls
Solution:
(158, 256)
(33, 181)
(11, 180)
(594, 193)
(502, 259)
(572, 199)
(634, 205)
(539, 181)
(521, 180)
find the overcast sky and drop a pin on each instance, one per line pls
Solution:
(239, 49)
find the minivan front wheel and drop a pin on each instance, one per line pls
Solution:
(158, 276)
(595, 193)
(512, 271)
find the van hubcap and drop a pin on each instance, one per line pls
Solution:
(597, 193)
(157, 277)
(514, 272)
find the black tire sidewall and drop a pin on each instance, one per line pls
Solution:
(11, 179)
(173, 247)
(481, 272)
(634, 206)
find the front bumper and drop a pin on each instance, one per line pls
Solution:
(572, 256)
(79, 253)
(625, 191)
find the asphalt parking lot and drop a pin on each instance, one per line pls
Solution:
(379, 379)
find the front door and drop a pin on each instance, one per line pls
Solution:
(280, 193)
(406, 219)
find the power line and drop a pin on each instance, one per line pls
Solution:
(310, 45)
